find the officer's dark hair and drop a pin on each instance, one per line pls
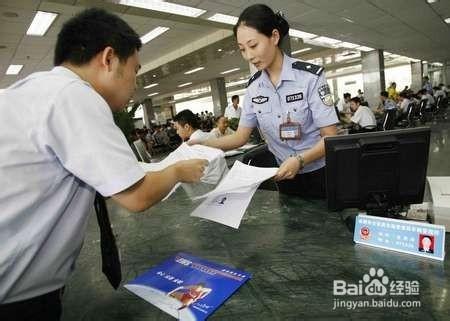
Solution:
(187, 117)
(436, 88)
(384, 93)
(347, 95)
(234, 97)
(90, 32)
(356, 100)
(422, 92)
(264, 20)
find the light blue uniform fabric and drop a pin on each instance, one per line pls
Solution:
(389, 104)
(304, 94)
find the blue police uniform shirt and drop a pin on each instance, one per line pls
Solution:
(304, 93)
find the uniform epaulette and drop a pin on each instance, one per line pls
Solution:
(254, 77)
(305, 66)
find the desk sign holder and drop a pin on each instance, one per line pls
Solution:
(422, 239)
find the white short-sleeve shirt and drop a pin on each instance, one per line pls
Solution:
(364, 117)
(199, 136)
(59, 145)
(231, 112)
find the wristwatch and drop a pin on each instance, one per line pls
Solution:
(301, 160)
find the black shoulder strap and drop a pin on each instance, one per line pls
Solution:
(305, 66)
(254, 77)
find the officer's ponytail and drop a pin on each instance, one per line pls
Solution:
(264, 20)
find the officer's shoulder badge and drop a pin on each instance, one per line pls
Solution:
(325, 95)
(254, 77)
(305, 66)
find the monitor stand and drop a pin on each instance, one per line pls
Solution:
(379, 204)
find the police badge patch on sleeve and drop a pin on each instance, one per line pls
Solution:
(325, 95)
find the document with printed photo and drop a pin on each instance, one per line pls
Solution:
(242, 179)
(227, 209)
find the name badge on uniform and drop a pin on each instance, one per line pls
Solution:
(290, 130)
(294, 97)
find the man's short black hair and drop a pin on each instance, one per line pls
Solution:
(356, 100)
(347, 95)
(384, 93)
(91, 31)
(187, 117)
(234, 97)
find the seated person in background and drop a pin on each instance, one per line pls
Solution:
(233, 110)
(437, 91)
(387, 104)
(363, 118)
(160, 136)
(404, 102)
(222, 128)
(424, 95)
(187, 125)
(444, 88)
(344, 105)
(360, 95)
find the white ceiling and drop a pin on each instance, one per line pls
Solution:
(412, 28)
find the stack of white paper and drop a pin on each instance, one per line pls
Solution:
(215, 170)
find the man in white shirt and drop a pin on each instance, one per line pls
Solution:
(424, 95)
(363, 116)
(233, 110)
(221, 128)
(404, 102)
(59, 146)
(188, 127)
(343, 105)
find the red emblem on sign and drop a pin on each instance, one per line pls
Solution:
(365, 233)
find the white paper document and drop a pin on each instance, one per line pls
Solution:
(227, 209)
(241, 179)
(227, 203)
(215, 170)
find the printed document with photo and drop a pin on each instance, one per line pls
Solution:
(227, 203)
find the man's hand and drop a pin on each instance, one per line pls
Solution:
(190, 171)
(288, 169)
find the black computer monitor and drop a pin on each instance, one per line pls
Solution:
(377, 171)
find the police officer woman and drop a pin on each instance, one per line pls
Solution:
(289, 101)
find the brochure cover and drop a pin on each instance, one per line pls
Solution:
(186, 287)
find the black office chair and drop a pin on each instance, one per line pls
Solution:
(438, 104)
(424, 112)
(388, 121)
(408, 120)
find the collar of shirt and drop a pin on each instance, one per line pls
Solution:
(69, 73)
(287, 73)
(65, 71)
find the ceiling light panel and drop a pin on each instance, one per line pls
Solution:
(153, 34)
(41, 23)
(163, 6)
(14, 69)
(301, 34)
(194, 70)
(223, 18)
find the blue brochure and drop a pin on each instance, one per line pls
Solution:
(186, 287)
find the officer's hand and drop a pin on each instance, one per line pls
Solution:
(288, 169)
(190, 171)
